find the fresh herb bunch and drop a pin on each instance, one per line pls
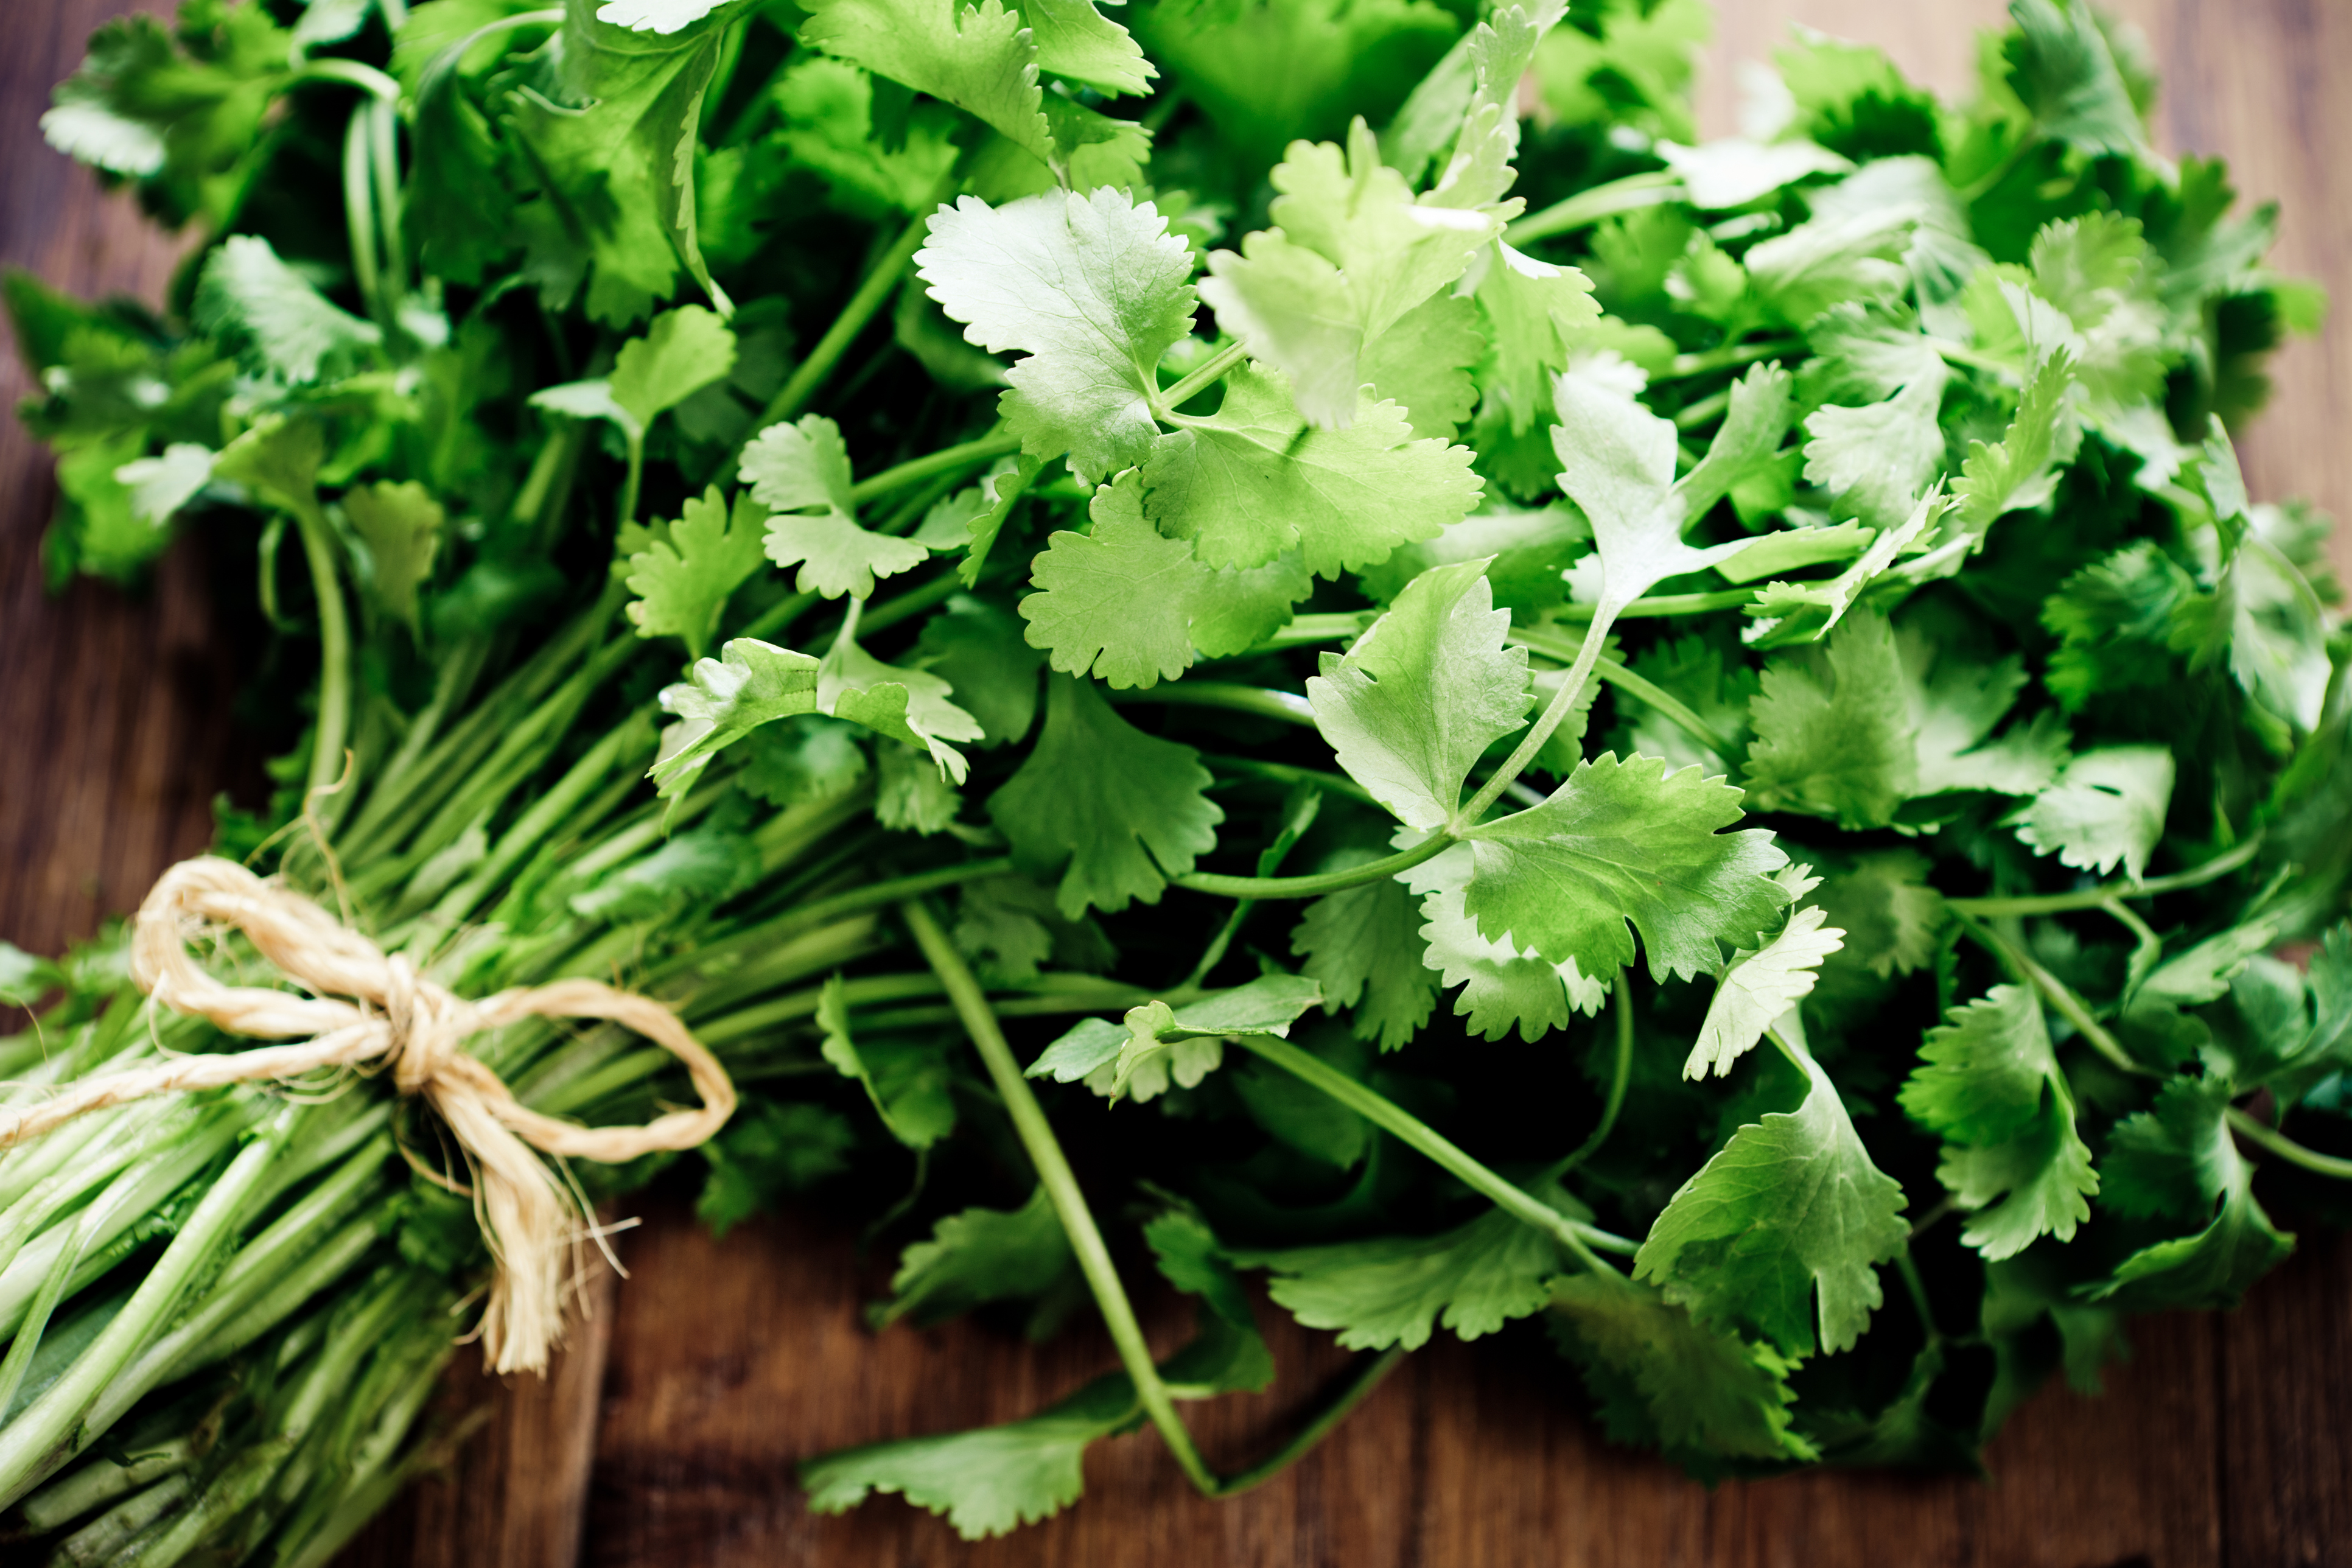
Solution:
(1867, 476)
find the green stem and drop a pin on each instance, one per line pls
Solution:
(913, 602)
(1318, 885)
(810, 373)
(334, 652)
(1969, 358)
(383, 155)
(1288, 705)
(1555, 712)
(33, 1444)
(1731, 356)
(627, 511)
(1359, 1387)
(1336, 626)
(2059, 995)
(1692, 415)
(1185, 388)
(1409, 1130)
(1614, 672)
(946, 460)
(1061, 1186)
(1917, 1289)
(1668, 605)
(2092, 897)
(1589, 206)
(2286, 1147)
(1620, 1077)
(359, 217)
(1284, 773)
(351, 73)
(772, 620)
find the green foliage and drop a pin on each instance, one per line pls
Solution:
(683, 578)
(1110, 809)
(1789, 1211)
(1394, 1290)
(976, 1256)
(1877, 457)
(1569, 877)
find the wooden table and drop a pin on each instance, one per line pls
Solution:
(667, 1435)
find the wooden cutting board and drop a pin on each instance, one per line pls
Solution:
(668, 1433)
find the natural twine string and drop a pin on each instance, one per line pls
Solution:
(528, 1214)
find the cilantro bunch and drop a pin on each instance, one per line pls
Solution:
(1673, 740)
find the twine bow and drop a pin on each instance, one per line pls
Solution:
(393, 1015)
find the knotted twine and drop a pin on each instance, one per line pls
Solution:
(369, 1008)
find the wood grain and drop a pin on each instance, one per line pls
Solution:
(720, 1365)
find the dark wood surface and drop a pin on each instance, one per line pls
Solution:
(667, 1435)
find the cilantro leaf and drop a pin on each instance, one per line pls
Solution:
(910, 791)
(1093, 288)
(1351, 253)
(979, 58)
(725, 698)
(1117, 600)
(2064, 71)
(985, 1482)
(1876, 459)
(1834, 734)
(1158, 1036)
(1888, 910)
(979, 1255)
(618, 152)
(2179, 1160)
(801, 761)
(2278, 634)
(683, 579)
(793, 467)
(1834, 260)
(160, 486)
(1419, 698)
(2106, 806)
(1955, 704)
(908, 1086)
(1228, 1356)
(1621, 843)
(1735, 171)
(1990, 1085)
(1252, 481)
(2114, 617)
(2045, 1171)
(1363, 946)
(1758, 987)
(1790, 1209)
(2017, 472)
(1503, 983)
(269, 315)
(1661, 1377)
(979, 650)
(401, 526)
(908, 705)
(1138, 1057)
(1113, 810)
(1076, 41)
(1617, 461)
(1395, 1290)
(1533, 311)
(682, 352)
(1423, 364)
(767, 1150)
